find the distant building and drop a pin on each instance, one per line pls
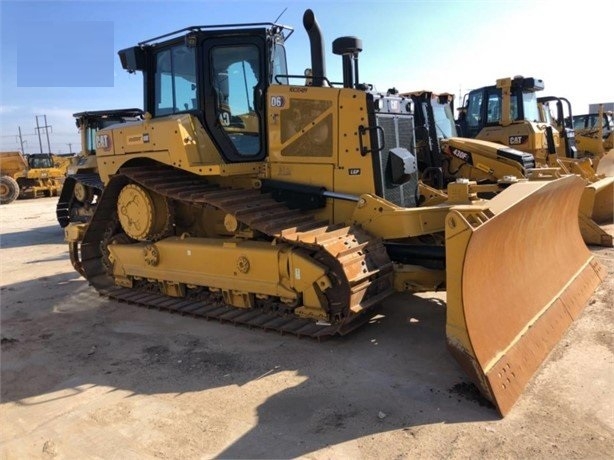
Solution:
(607, 106)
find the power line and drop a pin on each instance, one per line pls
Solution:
(15, 135)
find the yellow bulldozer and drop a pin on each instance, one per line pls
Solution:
(30, 176)
(595, 139)
(259, 197)
(591, 136)
(82, 186)
(508, 113)
(444, 157)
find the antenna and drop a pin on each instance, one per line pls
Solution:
(280, 15)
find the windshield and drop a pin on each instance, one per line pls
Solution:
(444, 120)
(530, 106)
(546, 115)
(40, 162)
(474, 105)
(591, 121)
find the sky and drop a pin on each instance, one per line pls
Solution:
(60, 57)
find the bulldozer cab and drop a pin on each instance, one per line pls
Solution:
(40, 161)
(234, 80)
(434, 120)
(595, 139)
(509, 101)
(435, 109)
(508, 113)
(561, 120)
(591, 121)
(90, 122)
(218, 74)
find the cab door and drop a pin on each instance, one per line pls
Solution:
(235, 77)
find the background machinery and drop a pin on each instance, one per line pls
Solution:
(508, 113)
(82, 186)
(434, 121)
(29, 176)
(293, 207)
(445, 157)
(595, 138)
(593, 133)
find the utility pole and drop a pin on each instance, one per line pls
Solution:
(70, 147)
(46, 127)
(21, 141)
(40, 142)
(47, 133)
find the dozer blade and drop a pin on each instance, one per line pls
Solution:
(597, 207)
(606, 164)
(518, 274)
(598, 201)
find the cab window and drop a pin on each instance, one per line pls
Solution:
(90, 139)
(475, 106)
(493, 114)
(444, 120)
(279, 65)
(175, 80)
(530, 106)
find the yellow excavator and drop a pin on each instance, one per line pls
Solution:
(290, 203)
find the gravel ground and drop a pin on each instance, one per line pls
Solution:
(85, 377)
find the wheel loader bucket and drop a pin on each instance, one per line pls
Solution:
(518, 274)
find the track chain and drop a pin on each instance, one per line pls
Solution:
(358, 262)
(65, 202)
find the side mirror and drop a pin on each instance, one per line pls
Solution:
(132, 59)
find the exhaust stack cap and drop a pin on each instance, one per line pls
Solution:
(347, 45)
(348, 48)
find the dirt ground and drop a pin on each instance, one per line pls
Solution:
(85, 377)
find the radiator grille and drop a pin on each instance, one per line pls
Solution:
(398, 131)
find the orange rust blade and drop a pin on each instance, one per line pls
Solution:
(518, 274)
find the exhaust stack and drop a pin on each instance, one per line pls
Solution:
(317, 48)
(348, 48)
